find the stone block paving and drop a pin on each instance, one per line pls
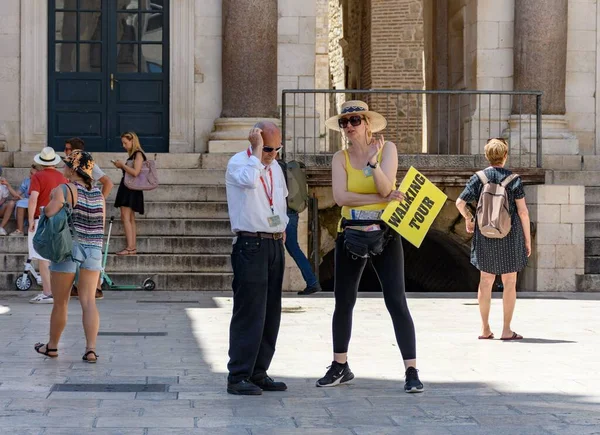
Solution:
(174, 384)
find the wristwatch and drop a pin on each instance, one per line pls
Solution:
(373, 166)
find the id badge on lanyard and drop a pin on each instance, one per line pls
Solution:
(274, 220)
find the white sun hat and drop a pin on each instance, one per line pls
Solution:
(47, 157)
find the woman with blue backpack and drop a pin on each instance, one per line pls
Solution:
(501, 233)
(83, 205)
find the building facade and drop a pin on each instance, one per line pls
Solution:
(191, 76)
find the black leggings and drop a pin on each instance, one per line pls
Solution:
(389, 267)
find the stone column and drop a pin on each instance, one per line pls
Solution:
(249, 58)
(540, 53)
(249, 71)
(540, 62)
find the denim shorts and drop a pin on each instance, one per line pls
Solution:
(92, 262)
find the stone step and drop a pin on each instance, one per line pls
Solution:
(592, 229)
(144, 263)
(590, 282)
(178, 210)
(166, 176)
(592, 246)
(163, 160)
(577, 178)
(226, 146)
(216, 161)
(179, 192)
(168, 227)
(592, 264)
(592, 195)
(145, 245)
(177, 227)
(572, 163)
(164, 281)
(592, 212)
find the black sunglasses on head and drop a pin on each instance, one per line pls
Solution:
(354, 121)
(271, 149)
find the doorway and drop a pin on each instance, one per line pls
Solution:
(108, 72)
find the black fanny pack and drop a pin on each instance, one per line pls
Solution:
(364, 244)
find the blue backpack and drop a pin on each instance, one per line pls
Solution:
(55, 238)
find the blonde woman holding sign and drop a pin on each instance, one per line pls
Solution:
(364, 181)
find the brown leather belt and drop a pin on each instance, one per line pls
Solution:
(274, 236)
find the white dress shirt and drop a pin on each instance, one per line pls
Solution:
(247, 198)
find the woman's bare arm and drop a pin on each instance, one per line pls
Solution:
(340, 186)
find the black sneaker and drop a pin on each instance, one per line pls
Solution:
(243, 388)
(268, 384)
(413, 384)
(311, 290)
(337, 374)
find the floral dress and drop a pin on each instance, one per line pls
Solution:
(498, 256)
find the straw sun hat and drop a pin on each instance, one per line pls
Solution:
(357, 107)
(47, 157)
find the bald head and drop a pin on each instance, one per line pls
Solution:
(271, 138)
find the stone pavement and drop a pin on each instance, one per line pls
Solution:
(548, 383)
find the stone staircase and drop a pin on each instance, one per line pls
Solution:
(582, 171)
(184, 239)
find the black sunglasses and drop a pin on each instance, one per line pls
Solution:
(271, 149)
(354, 121)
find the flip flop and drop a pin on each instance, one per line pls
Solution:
(514, 336)
(489, 337)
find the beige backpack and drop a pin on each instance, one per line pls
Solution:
(493, 216)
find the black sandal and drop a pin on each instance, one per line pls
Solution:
(91, 361)
(38, 346)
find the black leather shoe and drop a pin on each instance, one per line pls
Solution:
(268, 384)
(243, 388)
(310, 290)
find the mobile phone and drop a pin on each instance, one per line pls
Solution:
(112, 160)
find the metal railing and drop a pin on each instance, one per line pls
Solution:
(424, 122)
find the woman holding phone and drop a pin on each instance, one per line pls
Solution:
(130, 201)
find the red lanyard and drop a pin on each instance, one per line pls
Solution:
(262, 180)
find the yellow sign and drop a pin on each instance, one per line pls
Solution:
(414, 215)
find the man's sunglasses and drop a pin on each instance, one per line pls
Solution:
(271, 149)
(354, 121)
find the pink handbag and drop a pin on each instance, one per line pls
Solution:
(147, 179)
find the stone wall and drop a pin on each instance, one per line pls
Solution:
(296, 45)
(491, 40)
(299, 55)
(207, 70)
(397, 45)
(581, 82)
(558, 245)
(10, 70)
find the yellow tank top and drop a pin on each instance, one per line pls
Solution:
(358, 182)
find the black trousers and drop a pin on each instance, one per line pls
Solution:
(258, 266)
(389, 266)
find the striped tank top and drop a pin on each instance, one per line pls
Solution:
(88, 217)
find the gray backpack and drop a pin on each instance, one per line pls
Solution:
(493, 216)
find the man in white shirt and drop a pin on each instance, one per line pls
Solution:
(256, 197)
